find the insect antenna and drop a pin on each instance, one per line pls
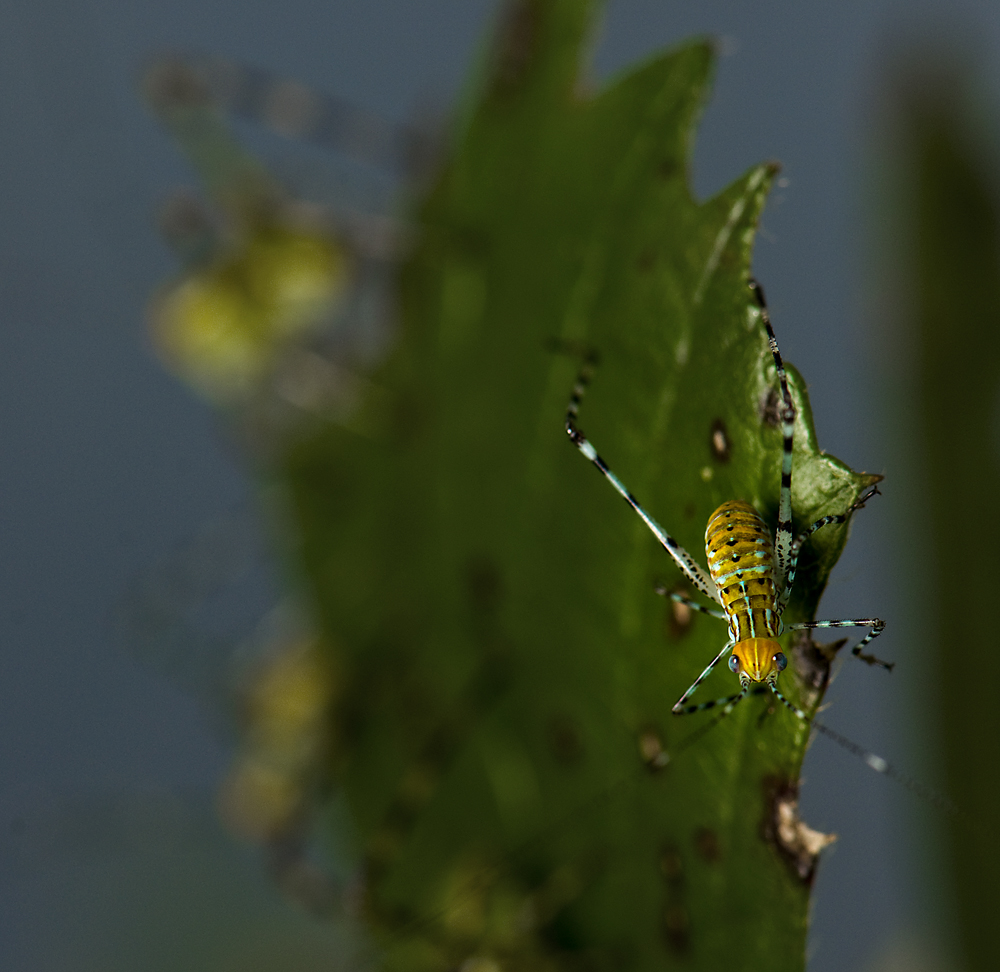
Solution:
(883, 766)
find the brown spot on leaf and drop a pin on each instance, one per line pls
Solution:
(770, 409)
(672, 866)
(646, 260)
(677, 928)
(811, 661)
(667, 169)
(564, 740)
(719, 441)
(706, 843)
(797, 843)
(651, 749)
(679, 616)
(483, 583)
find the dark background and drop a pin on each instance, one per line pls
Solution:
(110, 856)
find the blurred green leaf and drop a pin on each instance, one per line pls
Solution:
(953, 312)
(507, 670)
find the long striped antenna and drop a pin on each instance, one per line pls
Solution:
(876, 762)
(883, 766)
(870, 759)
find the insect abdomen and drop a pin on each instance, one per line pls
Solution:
(740, 560)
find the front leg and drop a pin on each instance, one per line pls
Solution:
(679, 707)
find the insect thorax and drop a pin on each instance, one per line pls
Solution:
(740, 559)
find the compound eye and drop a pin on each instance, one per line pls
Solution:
(781, 661)
(734, 663)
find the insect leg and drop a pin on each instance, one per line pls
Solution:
(783, 535)
(683, 559)
(679, 708)
(773, 686)
(809, 531)
(729, 701)
(687, 602)
(877, 626)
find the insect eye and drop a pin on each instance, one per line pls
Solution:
(734, 663)
(780, 661)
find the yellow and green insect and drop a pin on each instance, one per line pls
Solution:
(749, 575)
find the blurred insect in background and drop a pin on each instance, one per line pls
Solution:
(281, 306)
(282, 302)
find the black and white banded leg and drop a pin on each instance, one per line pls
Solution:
(783, 534)
(729, 702)
(688, 603)
(683, 559)
(679, 708)
(877, 626)
(810, 530)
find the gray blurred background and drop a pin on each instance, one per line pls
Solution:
(110, 856)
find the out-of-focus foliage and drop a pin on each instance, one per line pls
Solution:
(499, 729)
(274, 305)
(952, 309)
(258, 278)
(224, 327)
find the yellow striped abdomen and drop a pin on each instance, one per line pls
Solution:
(741, 560)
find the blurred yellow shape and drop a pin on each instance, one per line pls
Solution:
(225, 327)
(287, 741)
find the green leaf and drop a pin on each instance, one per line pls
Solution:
(490, 600)
(519, 794)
